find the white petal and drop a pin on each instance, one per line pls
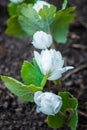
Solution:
(37, 56)
(38, 46)
(38, 40)
(57, 60)
(38, 59)
(16, 1)
(55, 75)
(46, 61)
(58, 107)
(37, 97)
(38, 109)
(48, 40)
(50, 103)
(64, 69)
(39, 5)
(42, 40)
(46, 110)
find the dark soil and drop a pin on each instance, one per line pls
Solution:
(18, 115)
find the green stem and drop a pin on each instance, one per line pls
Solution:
(48, 85)
(44, 80)
(58, 83)
(61, 113)
(53, 46)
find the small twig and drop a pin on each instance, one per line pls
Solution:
(82, 114)
(32, 110)
(83, 125)
(79, 46)
(81, 89)
(74, 36)
(10, 95)
(74, 71)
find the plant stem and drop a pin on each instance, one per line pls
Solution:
(53, 46)
(48, 85)
(59, 85)
(61, 113)
(44, 80)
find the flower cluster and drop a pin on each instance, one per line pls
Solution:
(51, 64)
(49, 61)
(45, 25)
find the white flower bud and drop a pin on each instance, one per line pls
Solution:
(39, 5)
(42, 40)
(51, 63)
(16, 1)
(47, 102)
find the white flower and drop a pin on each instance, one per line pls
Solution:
(42, 40)
(39, 5)
(51, 63)
(47, 102)
(16, 1)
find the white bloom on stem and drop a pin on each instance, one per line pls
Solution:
(16, 1)
(47, 102)
(39, 5)
(42, 40)
(51, 63)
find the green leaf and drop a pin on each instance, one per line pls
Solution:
(70, 104)
(45, 77)
(73, 120)
(31, 74)
(56, 121)
(30, 21)
(61, 24)
(17, 88)
(30, 1)
(36, 65)
(68, 101)
(48, 15)
(12, 9)
(14, 28)
(64, 4)
(34, 88)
